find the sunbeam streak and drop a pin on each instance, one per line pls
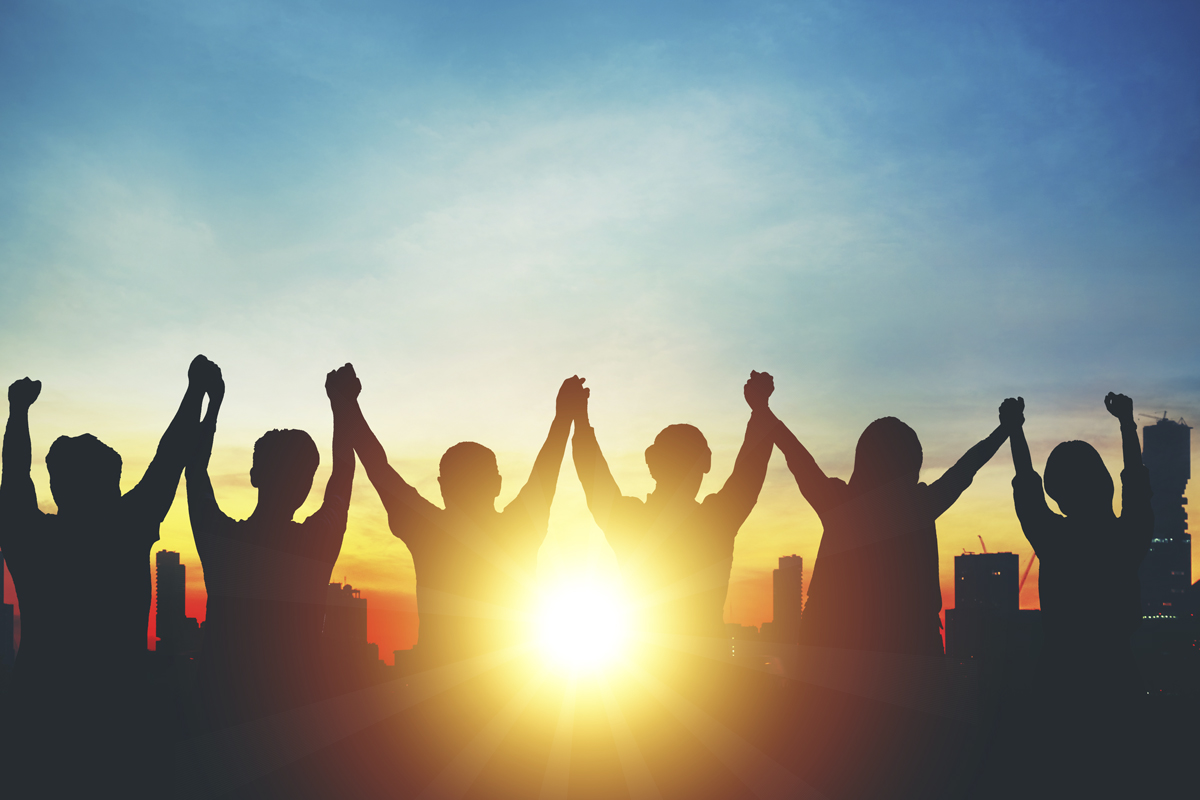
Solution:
(456, 779)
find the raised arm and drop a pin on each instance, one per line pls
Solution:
(1028, 495)
(402, 502)
(155, 492)
(603, 494)
(538, 493)
(946, 489)
(202, 502)
(810, 478)
(1121, 407)
(18, 498)
(1135, 478)
(342, 387)
(1012, 418)
(741, 490)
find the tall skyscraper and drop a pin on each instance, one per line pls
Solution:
(170, 618)
(787, 599)
(986, 580)
(1166, 572)
(985, 604)
(349, 658)
(345, 628)
(7, 655)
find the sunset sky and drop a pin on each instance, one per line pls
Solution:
(913, 213)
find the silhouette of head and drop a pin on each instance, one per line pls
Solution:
(84, 472)
(283, 467)
(469, 476)
(887, 451)
(679, 459)
(1078, 480)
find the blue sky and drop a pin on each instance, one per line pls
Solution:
(913, 210)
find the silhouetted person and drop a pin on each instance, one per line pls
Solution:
(875, 589)
(875, 582)
(475, 566)
(267, 576)
(1090, 595)
(676, 553)
(83, 582)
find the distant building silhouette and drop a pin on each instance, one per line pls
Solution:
(741, 633)
(7, 654)
(345, 626)
(175, 631)
(787, 600)
(170, 583)
(986, 580)
(1166, 572)
(349, 657)
(986, 620)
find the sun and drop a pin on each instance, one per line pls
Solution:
(582, 626)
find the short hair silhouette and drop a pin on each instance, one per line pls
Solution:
(677, 451)
(1077, 479)
(466, 461)
(82, 467)
(468, 470)
(887, 450)
(284, 457)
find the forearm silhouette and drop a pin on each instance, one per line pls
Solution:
(17, 494)
(401, 501)
(948, 488)
(342, 387)
(599, 487)
(1121, 407)
(741, 489)
(537, 494)
(202, 502)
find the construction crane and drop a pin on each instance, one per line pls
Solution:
(981, 544)
(1028, 567)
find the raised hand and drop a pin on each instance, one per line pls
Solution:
(758, 390)
(22, 393)
(1119, 406)
(572, 398)
(342, 384)
(1012, 412)
(206, 376)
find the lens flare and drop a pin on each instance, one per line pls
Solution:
(582, 627)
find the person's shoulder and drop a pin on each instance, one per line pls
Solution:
(224, 527)
(834, 488)
(24, 529)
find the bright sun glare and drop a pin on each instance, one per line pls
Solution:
(582, 626)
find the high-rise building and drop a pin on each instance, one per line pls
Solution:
(986, 604)
(787, 599)
(345, 627)
(349, 658)
(7, 655)
(986, 580)
(175, 631)
(1166, 571)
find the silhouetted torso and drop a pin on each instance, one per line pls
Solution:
(84, 588)
(1088, 578)
(266, 605)
(475, 574)
(675, 554)
(875, 582)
